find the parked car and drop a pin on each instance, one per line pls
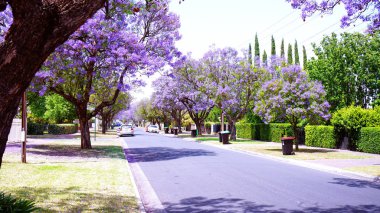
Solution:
(116, 125)
(126, 130)
(153, 128)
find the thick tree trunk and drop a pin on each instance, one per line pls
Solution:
(294, 127)
(233, 130)
(38, 28)
(104, 125)
(198, 124)
(85, 141)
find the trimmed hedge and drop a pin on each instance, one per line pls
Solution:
(60, 129)
(35, 128)
(246, 130)
(369, 140)
(265, 132)
(320, 136)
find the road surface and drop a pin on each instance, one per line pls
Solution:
(174, 175)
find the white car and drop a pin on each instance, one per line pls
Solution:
(126, 130)
(153, 128)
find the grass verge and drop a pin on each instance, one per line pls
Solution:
(60, 177)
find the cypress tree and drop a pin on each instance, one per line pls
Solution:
(304, 57)
(265, 58)
(296, 54)
(290, 54)
(250, 54)
(273, 52)
(257, 49)
(282, 49)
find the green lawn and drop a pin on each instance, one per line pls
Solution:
(60, 177)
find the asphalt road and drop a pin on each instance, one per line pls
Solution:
(192, 177)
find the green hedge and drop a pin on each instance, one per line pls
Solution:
(320, 136)
(264, 132)
(35, 128)
(246, 130)
(369, 140)
(60, 129)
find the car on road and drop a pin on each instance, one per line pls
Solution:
(153, 128)
(126, 130)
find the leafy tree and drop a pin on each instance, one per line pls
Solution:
(232, 82)
(296, 54)
(107, 52)
(37, 107)
(290, 54)
(304, 55)
(46, 25)
(59, 110)
(273, 47)
(291, 97)
(367, 11)
(348, 67)
(282, 54)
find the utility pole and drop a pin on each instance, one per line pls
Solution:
(23, 129)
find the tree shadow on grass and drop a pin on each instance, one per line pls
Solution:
(72, 199)
(162, 153)
(107, 151)
(357, 183)
(202, 204)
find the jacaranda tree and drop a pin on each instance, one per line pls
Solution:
(365, 10)
(108, 54)
(292, 97)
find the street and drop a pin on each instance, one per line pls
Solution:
(192, 177)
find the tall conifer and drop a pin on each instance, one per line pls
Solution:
(273, 51)
(290, 54)
(296, 54)
(304, 57)
(282, 48)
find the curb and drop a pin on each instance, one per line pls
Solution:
(309, 165)
(132, 178)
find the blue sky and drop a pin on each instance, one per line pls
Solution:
(228, 23)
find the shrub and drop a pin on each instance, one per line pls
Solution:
(369, 140)
(60, 129)
(35, 128)
(246, 130)
(320, 136)
(348, 122)
(8, 203)
(277, 130)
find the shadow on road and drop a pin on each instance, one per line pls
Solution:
(356, 183)
(162, 153)
(202, 204)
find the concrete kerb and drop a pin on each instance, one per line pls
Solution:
(146, 196)
(315, 166)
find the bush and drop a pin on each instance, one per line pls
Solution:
(273, 131)
(35, 128)
(348, 122)
(369, 140)
(246, 130)
(320, 136)
(10, 204)
(60, 129)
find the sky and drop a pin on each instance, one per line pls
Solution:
(227, 23)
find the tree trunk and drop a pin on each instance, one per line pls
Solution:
(294, 127)
(104, 125)
(85, 141)
(199, 127)
(46, 25)
(233, 130)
